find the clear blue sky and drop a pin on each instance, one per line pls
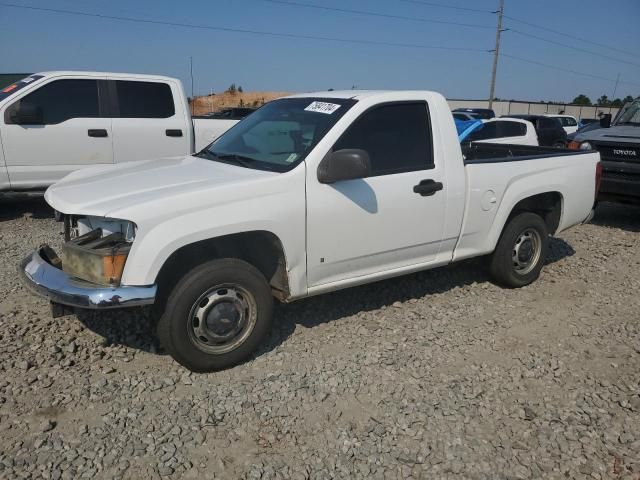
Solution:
(36, 40)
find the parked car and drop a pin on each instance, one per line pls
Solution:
(463, 116)
(513, 131)
(585, 128)
(549, 130)
(569, 123)
(481, 113)
(586, 121)
(235, 113)
(53, 123)
(619, 145)
(310, 194)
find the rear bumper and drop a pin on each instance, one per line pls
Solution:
(53, 283)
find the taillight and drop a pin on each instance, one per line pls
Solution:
(598, 179)
(573, 145)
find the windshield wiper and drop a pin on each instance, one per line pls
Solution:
(240, 159)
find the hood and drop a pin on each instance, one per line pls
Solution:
(615, 133)
(138, 188)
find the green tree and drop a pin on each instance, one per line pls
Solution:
(603, 100)
(240, 89)
(616, 103)
(581, 99)
(232, 89)
(628, 98)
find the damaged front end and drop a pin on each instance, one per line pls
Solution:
(97, 248)
(90, 272)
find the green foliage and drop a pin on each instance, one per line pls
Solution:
(581, 100)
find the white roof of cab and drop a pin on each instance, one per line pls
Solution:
(355, 94)
(58, 73)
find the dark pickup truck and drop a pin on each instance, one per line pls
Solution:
(619, 145)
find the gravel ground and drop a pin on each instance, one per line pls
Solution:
(435, 375)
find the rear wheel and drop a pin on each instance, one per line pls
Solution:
(521, 251)
(216, 315)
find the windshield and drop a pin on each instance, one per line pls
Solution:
(630, 114)
(279, 135)
(14, 87)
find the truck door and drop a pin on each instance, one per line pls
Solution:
(393, 219)
(146, 122)
(53, 130)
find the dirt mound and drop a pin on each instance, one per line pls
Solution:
(218, 101)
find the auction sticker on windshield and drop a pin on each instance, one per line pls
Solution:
(322, 107)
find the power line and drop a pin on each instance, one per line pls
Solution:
(568, 35)
(375, 14)
(441, 5)
(239, 30)
(584, 50)
(563, 69)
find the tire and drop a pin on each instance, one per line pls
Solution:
(216, 315)
(512, 265)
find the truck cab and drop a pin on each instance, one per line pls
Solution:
(53, 123)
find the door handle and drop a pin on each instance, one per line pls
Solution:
(173, 132)
(427, 187)
(97, 132)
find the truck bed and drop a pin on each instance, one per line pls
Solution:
(477, 152)
(499, 176)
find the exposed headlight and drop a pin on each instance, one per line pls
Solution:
(586, 146)
(97, 249)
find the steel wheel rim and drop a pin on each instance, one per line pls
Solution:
(222, 318)
(526, 251)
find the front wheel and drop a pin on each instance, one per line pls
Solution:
(521, 251)
(216, 315)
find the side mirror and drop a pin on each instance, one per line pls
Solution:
(347, 164)
(605, 121)
(27, 115)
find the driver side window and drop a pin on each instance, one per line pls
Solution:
(62, 100)
(396, 136)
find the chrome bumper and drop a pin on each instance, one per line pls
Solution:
(53, 283)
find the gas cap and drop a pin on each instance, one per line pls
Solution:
(489, 200)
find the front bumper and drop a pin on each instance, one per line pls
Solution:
(56, 285)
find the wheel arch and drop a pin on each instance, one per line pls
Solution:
(549, 205)
(262, 249)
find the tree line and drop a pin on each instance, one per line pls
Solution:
(602, 101)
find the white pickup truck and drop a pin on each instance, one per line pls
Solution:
(311, 193)
(53, 123)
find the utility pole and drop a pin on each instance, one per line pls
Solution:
(191, 71)
(613, 97)
(496, 54)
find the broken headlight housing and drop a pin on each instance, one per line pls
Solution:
(97, 248)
